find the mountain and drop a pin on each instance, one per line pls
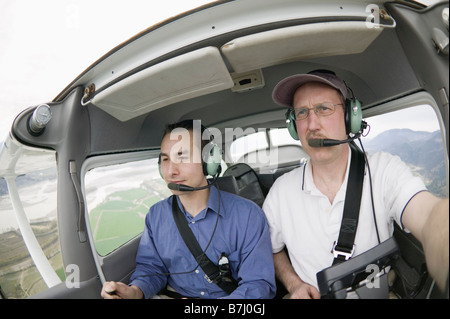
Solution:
(392, 138)
(423, 150)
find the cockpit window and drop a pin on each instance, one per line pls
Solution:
(414, 135)
(268, 149)
(118, 197)
(30, 254)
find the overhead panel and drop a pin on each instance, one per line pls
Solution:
(184, 77)
(300, 42)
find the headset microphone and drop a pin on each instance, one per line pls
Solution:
(186, 188)
(329, 142)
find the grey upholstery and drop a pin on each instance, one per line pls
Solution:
(228, 184)
(247, 181)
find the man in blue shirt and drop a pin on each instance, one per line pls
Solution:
(222, 223)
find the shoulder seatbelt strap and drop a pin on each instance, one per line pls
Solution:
(211, 270)
(344, 248)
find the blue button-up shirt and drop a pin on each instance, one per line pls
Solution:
(242, 234)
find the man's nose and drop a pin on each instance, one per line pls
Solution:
(313, 121)
(172, 168)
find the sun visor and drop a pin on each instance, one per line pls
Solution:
(298, 43)
(184, 77)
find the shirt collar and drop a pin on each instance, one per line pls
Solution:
(213, 204)
(308, 181)
(213, 201)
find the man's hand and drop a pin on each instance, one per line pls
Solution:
(304, 291)
(296, 287)
(119, 290)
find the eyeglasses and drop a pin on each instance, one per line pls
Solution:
(322, 109)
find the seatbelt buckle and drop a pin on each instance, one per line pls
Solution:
(336, 253)
(208, 280)
(213, 278)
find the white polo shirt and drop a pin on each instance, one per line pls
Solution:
(301, 218)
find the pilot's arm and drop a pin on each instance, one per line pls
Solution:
(426, 216)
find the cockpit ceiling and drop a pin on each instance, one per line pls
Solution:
(297, 43)
(184, 77)
(209, 70)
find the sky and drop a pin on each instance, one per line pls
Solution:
(45, 44)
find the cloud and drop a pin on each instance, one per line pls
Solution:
(46, 44)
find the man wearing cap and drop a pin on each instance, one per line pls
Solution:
(304, 207)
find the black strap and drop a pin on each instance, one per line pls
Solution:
(211, 270)
(344, 248)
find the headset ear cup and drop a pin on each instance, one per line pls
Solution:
(159, 166)
(290, 124)
(354, 112)
(212, 160)
(347, 113)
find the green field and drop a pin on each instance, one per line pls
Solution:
(120, 218)
(19, 276)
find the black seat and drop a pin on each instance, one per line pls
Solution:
(228, 184)
(247, 182)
